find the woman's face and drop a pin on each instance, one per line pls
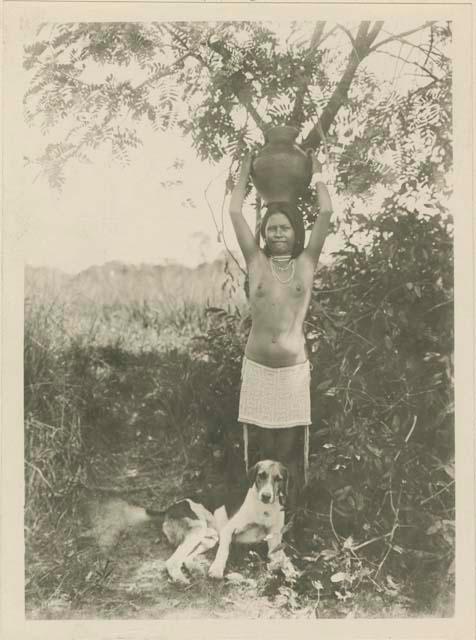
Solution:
(279, 235)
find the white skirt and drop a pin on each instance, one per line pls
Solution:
(274, 397)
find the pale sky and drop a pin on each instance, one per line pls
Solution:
(110, 212)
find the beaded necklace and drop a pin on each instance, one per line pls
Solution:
(275, 267)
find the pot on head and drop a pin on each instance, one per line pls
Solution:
(281, 170)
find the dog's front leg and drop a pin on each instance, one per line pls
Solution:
(276, 553)
(278, 560)
(275, 536)
(274, 543)
(217, 568)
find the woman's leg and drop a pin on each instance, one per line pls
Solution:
(266, 443)
(288, 450)
(260, 444)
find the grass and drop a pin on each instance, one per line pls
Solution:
(116, 404)
(99, 380)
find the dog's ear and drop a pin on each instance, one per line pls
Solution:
(285, 482)
(252, 473)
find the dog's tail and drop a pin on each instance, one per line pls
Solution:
(109, 518)
(155, 514)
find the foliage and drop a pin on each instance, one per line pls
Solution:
(95, 84)
(380, 328)
(221, 349)
(381, 342)
(384, 359)
(381, 347)
(383, 390)
(394, 136)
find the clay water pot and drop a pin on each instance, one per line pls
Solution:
(281, 170)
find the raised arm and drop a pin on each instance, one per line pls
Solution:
(244, 235)
(321, 225)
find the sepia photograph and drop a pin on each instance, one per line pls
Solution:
(237, 242)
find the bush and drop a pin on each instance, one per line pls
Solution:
(381, 334)
(380, 337)
(220, 350)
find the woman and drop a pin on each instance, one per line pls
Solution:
(275, 393)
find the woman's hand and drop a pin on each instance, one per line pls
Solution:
(243, 174)
(316, 165)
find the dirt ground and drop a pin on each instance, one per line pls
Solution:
(130, 567)
(138, 587)
(119, 570)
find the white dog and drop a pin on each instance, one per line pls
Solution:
(192, 529)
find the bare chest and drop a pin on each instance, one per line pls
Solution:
(279, 287)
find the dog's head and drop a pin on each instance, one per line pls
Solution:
(270, 479)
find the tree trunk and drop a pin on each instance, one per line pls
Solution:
(360, 49)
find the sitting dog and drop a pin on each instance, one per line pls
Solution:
(256, 515)
(259, 517)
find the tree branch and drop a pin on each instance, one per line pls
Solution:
(314, 137)
(241, 91)
(422, 89)
(435, 54)
(239, 85)
(447, 486)
(362, 32)
(374, 31)
(303, 81)
(362, 47)
(328, 35)
(163, 72)
(413, 62)
(402, 35)
(430, 47)
(348, 33)
(316, 36)
(238, 80)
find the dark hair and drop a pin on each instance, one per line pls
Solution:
(295, 220)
